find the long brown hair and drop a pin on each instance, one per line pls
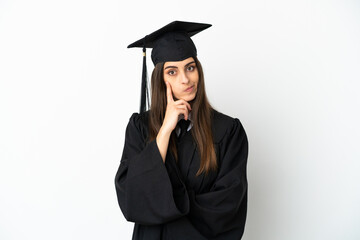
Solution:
(201, 118)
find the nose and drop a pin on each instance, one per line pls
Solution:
(184, 78)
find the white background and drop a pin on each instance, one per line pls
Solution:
(289, 70)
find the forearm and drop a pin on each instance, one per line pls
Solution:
(162, 141)
(140, 174)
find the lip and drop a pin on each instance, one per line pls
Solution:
(189, 89)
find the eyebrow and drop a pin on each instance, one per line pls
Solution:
(177, 67)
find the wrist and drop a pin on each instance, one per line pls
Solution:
(164, 132)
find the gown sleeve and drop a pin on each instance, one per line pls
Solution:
(144, 189)
(223, 209)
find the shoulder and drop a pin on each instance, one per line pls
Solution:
(224, 125)
(139, 122)
(140, 118)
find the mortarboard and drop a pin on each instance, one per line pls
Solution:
(170, 43)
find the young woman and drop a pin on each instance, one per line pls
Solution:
(183, 170)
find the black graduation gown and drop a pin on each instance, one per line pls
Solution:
(168, 201)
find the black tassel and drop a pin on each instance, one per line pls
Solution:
(144, 101)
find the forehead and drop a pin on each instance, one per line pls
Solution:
(179, 63)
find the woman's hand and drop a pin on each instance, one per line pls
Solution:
(173, 110)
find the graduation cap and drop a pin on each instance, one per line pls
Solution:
(170, 43)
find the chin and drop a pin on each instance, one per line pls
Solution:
(189, 98)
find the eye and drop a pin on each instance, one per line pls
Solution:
(190, 68)
(171, 72)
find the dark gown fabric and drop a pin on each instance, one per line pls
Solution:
(168, 201)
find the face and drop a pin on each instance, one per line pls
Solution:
(183, 77)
